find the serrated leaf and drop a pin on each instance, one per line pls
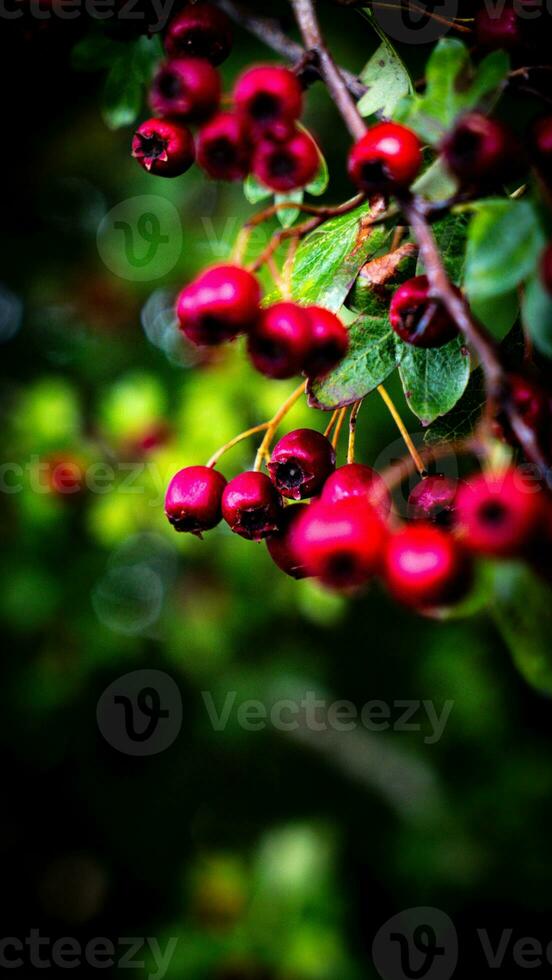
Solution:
(434, 380)
(122, 97)
(537, 315)
(255, 191)
(287, 216)
(94, 52)
(522, 608)
(371, 293)
(371, 358)
(504, 242)
(319, 184)
(463, 418)
(387, 81)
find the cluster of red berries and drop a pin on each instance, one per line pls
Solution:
(518, 27)
(347, 534)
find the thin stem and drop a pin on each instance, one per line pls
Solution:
(331, 423)
(275, 422)
(322, 212)
(279, 281)
(352, 430)
(417, 459)
(233, 442)
(455, 25)
(339, 426)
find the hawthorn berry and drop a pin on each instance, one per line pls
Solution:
(163, 147)
(425, 566)
(280, 545)
(193, 499)
(496, 28)
(541, 140)
(387, 158)
(433, 499)
(546, 268)
(221, 303)
(186, 88)
(358, 480)
(341, 543)
(270, 99)
(199, 31)
(65, 475)
(280, 340)
(481, 149)
(329, 342)
(300, 463)
(223, 149)
(417, 318)
(499, 514)
(287, 165)
(530, 402)
(251, 506)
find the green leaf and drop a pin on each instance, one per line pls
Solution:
(504, 242)
(387, 81)
(319, 184)
(463, 418)
(122, 98)
(287, 216)
(433, 380)
(254, 190)
(435, 184)
(94, 52)
(537, 315)
(371, 358)
(522, 608)
(498, 313)
(450, 235)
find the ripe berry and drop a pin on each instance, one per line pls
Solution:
(300, 463)
(388, 157)
(341, 544)
(251, 506)
(163, 148)
(199, 31)
(280, 544)
(223, 149)
(497, 29)
(280, 340)
(481, 149)
(546, 268)
(417, 318)
(65, 475)
(532, 404)
(358, 480)
(433, 499)
(186, 88)
(425, 567)
(498, 514)
(270, 99)
(541, 140)
(220, 304)
(288, 165)
(329, 342)
(193, 499)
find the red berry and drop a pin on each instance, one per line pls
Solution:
(199, 31)
(270, 99)
(417, 318)
(280, 340)
(193, 499)
(186, 88)
(300, 463)
(65, 475)
(495, 28)
(388, 157)
(542, 140)
(329, 342)
(287, 165)
(220, 304)
(280, 544)
(358, 480)
(223, 149)
(481, 149)
(163, 148)
(251, 506)
(342, 543)
(433, 499)
(425, 567)
(498, 514)
(531, 403)
(546, 268)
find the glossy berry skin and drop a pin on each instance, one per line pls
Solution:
(220, 304)
(251, 506)
(341, 544)
(280, 545)
(280, 340)
(288, 165)
(417, 319)
(199, 31)
(546, 268)
(499, 514)
(193, 499)
(329, 342)
(480, 149)
(498, 29)
(425, 567)
(432, 500)
(163, 148)
(387, 158)
(223, 148)
(270, 99)
(185, 88)
(360, 481)
(300, 463)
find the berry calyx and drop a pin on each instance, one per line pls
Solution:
(270, 99)
(280, 340)
(287, 165)
(360, 481)
(186, 88)
(199, 31)
(329, 342)
(193, 499)
(499, 514)
(432, 500)
(218, 305)
(340, 544)
(280, 545)
(481, 149)
(498, 28)
(425, 567)
(251, 506)
(300, 463)
(387, 158)
(163, 148)
(546, 268)
(417, 318)
(223, 149)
